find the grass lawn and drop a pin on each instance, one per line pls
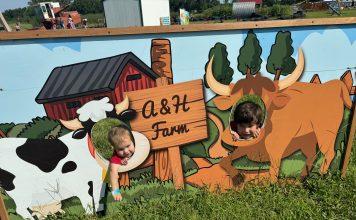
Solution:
(327, 14)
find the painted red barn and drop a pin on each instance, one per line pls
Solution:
(69, 87)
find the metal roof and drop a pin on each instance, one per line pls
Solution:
(88, 78)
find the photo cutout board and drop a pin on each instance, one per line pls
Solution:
(181, 96)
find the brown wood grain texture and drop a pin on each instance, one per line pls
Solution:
(161, 59)
(349, 143)
(147, 163)
(93, 32)
(3, 212)
(162, 169)
(175, 161)
(194, 119)
(124, 179)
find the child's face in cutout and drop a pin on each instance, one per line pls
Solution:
(247, 131)
(126, 149)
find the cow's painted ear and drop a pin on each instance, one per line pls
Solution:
(280, 100)
(222, 102)
(127, 115)
(79, 134)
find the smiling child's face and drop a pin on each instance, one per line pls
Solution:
(126, 148)
(247, 131)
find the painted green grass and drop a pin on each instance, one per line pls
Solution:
(328, 197)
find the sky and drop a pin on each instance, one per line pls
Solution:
(11, 4)
(25, 71)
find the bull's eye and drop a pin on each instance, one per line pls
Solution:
(100, 133)
(247, 117)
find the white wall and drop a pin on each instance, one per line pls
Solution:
(152, 10)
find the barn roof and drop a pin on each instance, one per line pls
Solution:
(88, 78)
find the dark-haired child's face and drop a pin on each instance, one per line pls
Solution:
(247, 131)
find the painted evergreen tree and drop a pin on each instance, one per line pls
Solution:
(249, 60)
(279, 61)
(221, 65)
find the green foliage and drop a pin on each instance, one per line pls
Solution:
(280, 55)
(221, 65)
(61, 2)
(23, 15)
(192, 5)
(54, 133)
(188, 164)
(87, 7)
(16, 130)
(6, 127)
(276, 10)
(249, 59)
(38, 128)
(219, 11)
(100, 132)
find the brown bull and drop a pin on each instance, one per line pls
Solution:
(299, 116)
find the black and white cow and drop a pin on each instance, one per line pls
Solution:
(39, 173)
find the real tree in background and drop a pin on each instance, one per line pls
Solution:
(221, 65)
(61, 2)
(192, 5)
(249, 60)
(279, 61)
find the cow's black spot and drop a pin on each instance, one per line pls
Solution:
(69, 167)
(90, 191)
(6, 180)
(45, 154)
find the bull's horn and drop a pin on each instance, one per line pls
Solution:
(72, 124)
(294, 76)
(122, 106)
(217, 87)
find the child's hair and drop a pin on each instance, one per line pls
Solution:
(248, 113)
(118, 134)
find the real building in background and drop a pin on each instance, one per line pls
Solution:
(125, 13)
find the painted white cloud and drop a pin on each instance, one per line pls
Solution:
(328, 54)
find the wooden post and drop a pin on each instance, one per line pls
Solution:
(124, 179)
(176, 167)
(161, 60)
(349, 143)
(3, 21)
(162, 170)
(3, 212)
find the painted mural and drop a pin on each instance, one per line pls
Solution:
(181, 95)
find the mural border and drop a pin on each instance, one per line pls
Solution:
(95, 32)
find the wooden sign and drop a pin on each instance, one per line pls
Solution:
(170, 115)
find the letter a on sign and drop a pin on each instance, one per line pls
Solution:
(170, 115)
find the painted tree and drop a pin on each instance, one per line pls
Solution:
(279, 61)
(221, 65)
(249, 60)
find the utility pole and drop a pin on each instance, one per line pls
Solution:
(4, 23)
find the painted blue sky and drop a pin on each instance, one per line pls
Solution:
(11, 4)
(26, 64)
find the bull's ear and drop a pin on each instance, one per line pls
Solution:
(280, 100)
(222, 102)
